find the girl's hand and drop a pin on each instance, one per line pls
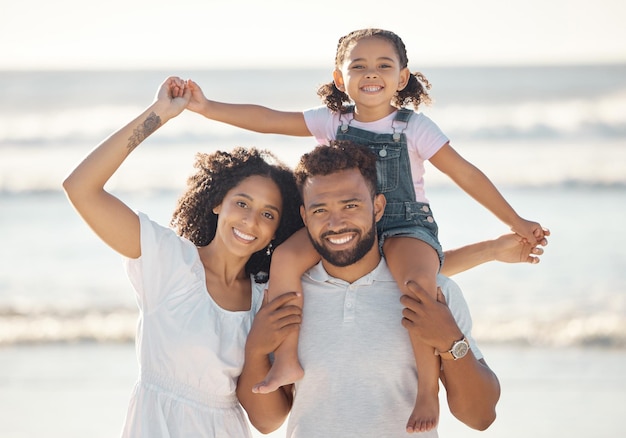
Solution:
(512, 248)
(531, 231)
(197, 100)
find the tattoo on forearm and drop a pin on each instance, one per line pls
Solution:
(141, 132)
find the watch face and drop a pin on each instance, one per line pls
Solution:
(460, 349)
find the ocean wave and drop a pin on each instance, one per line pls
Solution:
(119, 326)
(164, 191)
(599, 118)
(67, 327)
(537, 143)
(568, 118)
(469, 103)
(171, 186)
(597, 330)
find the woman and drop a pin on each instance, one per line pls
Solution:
(195, 287)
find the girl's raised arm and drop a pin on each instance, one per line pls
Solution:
(251, 117)
(112, 220)
(475, 183)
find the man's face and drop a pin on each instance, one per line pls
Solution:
(341, 216)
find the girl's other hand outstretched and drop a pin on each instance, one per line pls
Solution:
(197, 100)
(531, 231)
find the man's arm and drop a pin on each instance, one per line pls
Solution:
(473, 390)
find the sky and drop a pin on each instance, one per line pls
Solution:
(209, 34)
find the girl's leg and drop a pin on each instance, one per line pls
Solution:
(411, 259)
(290, 260)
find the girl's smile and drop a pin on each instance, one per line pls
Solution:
(370, 75)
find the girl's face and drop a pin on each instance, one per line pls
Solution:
(249, 215)
(371, 75)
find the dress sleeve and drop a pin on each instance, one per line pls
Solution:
(258, 290)
(165, 260)
(460, 310)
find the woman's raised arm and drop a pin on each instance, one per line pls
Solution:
(112, 220)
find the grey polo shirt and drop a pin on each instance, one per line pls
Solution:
(360, 374)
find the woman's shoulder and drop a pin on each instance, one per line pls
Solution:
(158, 241)
(158, 231)
(258, 292)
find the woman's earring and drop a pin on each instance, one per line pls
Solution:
(268, 251)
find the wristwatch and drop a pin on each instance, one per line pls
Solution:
(459, 349)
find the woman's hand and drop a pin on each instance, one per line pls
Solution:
(172, 97)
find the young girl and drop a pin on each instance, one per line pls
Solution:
(367, 103)
(194, 287)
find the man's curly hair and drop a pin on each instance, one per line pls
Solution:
(413, 94)
(215, 175)
(339, 155)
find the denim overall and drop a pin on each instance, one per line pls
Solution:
(403, 216)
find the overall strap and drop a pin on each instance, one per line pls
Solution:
(400, 122)
(345, 117)
(403, 115)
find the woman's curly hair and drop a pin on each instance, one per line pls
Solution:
(412, 95)
(215, 175)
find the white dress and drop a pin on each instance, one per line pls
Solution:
(190, 350)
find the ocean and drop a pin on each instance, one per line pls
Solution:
(553, 139)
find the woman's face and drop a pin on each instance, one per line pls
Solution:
(249, 215)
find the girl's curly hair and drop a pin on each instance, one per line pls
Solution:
(412, 95)
(215, 175)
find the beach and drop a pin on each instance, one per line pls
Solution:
(80, 390)
(554, 333)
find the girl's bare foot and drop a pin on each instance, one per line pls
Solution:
(425, 415)
(279, 375)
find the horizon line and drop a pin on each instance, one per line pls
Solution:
(122, 68)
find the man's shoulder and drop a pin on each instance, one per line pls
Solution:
(445, 282)
(451, 290)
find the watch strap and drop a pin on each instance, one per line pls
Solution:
(449, 355)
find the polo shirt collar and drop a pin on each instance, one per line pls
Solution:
(380, 273)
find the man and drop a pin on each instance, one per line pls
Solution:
(360, 375)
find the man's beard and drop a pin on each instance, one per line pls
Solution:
(350, 256)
